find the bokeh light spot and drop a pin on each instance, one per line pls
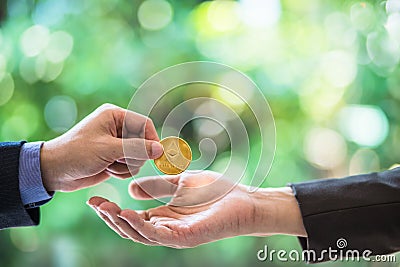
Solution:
(260, 13)
(28, 70)
(365, 125)
(59, 46)
(67, 252)
(393, 26)
(382, 49)
(392, 6)
(362, 16)
(364, 161)
(52, 12)
(3, 66)
(34, 40)
(155, 14)
(60, 113)
(325, 148)
(339, 68)
(25, 239)
(40, 66)
(229, 98)
(340, 31)
(53, 70)
(208, 128)
(223, 15)
(6, 88)
(319, 99)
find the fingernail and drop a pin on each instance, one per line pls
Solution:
(156, 149)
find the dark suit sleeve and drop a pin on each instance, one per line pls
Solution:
(12, 211)
(363, 209)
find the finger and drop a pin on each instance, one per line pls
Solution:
(150, 132)
(159, 234)
(103, 211)
(154, 186)
(142, 149)
(109, 223)
(139, 125)
(134, 148)
(127, 122)
(111, 210)
(122, 176)
(96, 201)
(118, 168)
(200, 188)
(88, 181)
(132, 163)
(143, 214)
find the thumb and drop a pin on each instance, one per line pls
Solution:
(136, 148)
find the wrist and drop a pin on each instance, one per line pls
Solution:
(48, 165)
(277, 212)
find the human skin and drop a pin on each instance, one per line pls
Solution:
(93, 150)
(267, 211)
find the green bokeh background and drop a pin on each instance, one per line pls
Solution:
(320, 64)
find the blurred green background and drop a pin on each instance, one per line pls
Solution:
(329, 70)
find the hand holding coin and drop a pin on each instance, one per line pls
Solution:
(176, 157)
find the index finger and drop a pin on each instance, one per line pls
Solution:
(138, 125)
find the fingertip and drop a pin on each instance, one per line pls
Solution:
(96, 201)
(109, 206)
(136, 192)
(156, 150)
(150, 131)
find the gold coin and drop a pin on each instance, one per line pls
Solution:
(176, 157)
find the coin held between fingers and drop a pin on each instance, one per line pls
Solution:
(176, 157)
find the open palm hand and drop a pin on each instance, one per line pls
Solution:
(201, 210)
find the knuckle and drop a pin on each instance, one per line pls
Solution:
(106, 206)
(107, 108)
(150, 121)
(149, 125)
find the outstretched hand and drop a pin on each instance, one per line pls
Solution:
(176, 225)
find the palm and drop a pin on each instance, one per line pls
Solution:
(195, 215)
(192, 226)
